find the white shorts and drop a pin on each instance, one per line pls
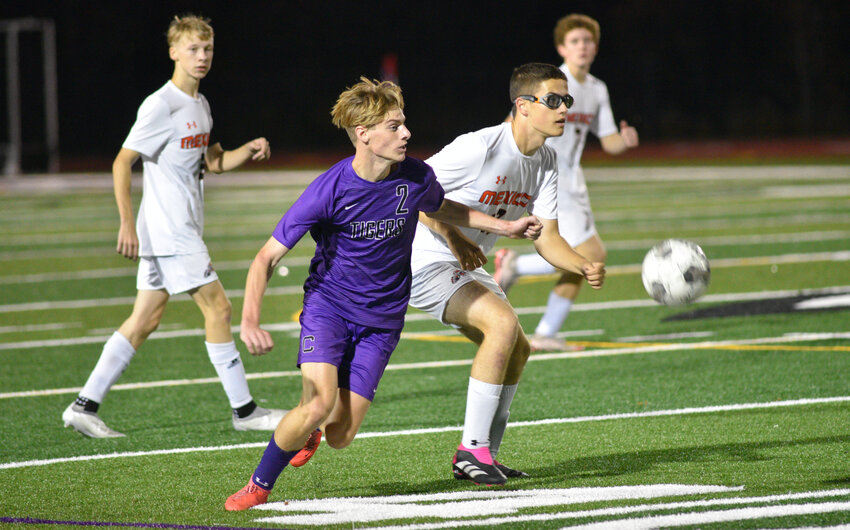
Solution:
(175, 274)
(434, 284)
(575, 218)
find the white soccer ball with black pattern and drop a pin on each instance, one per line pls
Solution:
(675, 272)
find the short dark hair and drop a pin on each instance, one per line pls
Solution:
(526, 78)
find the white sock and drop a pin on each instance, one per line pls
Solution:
(533, 265)
(500, 420)
(556, 313)
(116, 355)
(228, 365)
(482, 400)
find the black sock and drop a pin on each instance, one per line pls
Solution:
(87, 404)
(245, 410)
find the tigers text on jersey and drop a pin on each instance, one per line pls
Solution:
(486, 171)
(364, 233)
(590, 112)
(172, 132)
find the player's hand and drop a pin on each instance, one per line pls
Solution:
(258, 341)
(528, 227)
(594, 273)
(260, 149)
(468, 254)
(628, 134)
(128, 242)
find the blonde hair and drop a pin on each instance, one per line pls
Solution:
(571, 22)
(188, 25)
(367, 103)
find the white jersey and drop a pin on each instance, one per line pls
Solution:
(172, 132)
(592, 112)
(486, 171)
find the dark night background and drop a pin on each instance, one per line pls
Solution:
(677, 70)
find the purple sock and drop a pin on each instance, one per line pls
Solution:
(271, 465)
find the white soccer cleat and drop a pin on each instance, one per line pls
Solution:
(545, 343)
(259, 420)
(87, 423)
(505, 273)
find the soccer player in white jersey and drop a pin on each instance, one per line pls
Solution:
(577, 41)
(172, 137)
(505, 171)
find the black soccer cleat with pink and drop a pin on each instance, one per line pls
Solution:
(466, 467)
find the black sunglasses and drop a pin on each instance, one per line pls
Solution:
(551, 100)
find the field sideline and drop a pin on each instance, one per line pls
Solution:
(730, 413)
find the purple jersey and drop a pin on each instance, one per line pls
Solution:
(364, 236)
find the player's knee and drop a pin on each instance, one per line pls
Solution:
(151, 326)
(224, 310)
(567, 280)
(504, 327)
(318, 410)
(221, 311)
(137, 329)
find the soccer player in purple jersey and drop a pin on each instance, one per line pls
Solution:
(362, 213)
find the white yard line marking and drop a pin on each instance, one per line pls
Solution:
(719, 516)
(668, 336)
(602, 352)
(455, 428)
(721, 263)
(304, 261)
(129, 272)
(622, 510)
(825, 302)
(623, 269)
(710, 298)
(40, 327)
(463, 505)
(793, 173)
(128, 300)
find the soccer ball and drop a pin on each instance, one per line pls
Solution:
(675, 272)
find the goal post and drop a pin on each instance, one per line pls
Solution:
(14, 146)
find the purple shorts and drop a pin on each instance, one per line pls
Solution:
(359, 352)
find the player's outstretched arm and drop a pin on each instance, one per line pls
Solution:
(218, 160)
(259, 341)
(616, 143)
(122, 173)
(559, 253)
(452, 212)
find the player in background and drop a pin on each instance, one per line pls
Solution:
(363, 214)
(577, 41)
(172, 137)
(505, 171)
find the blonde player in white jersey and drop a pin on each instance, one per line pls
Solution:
(505, 171)
(577, 41)
(172, 137)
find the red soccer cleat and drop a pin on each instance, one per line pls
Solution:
(248, 497)
(304, 455)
